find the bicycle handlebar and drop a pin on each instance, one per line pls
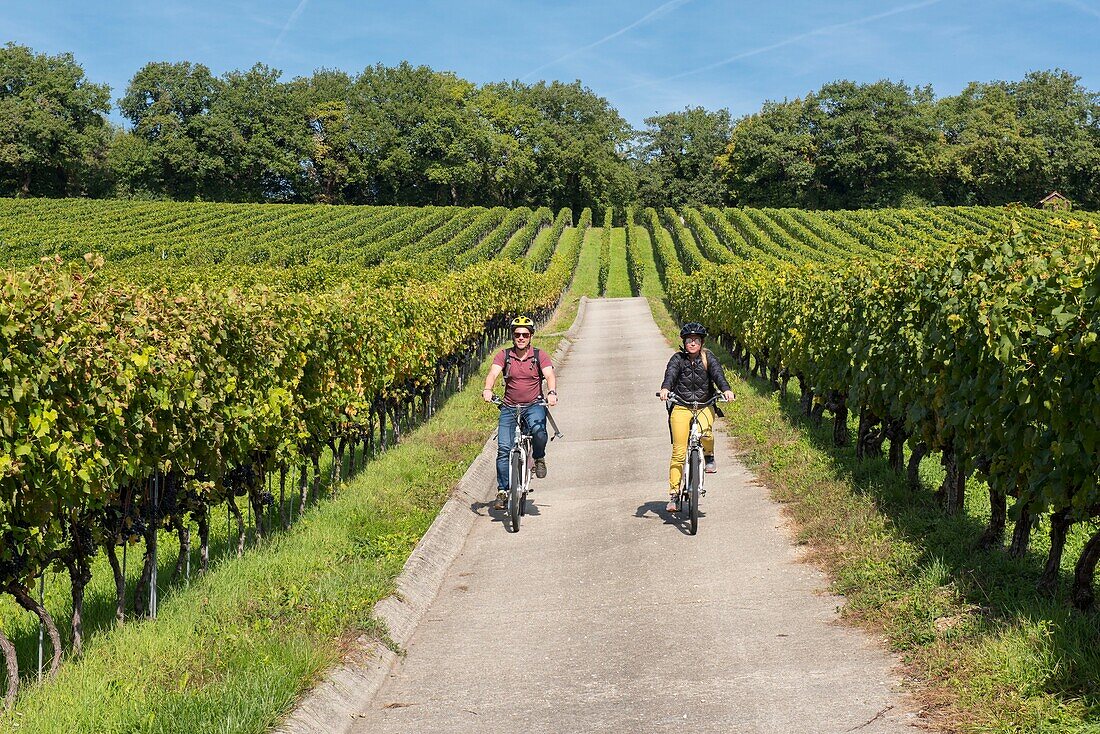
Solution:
(692, 404)
(499, 402)
(501, 405)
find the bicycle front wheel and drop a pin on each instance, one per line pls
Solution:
(515, 492)
(695, 483)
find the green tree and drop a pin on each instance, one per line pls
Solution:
(175, 150)
(415, 132)
(989, 156)
(875, 143)
(770, 159)
(331, 155)
(260, 127)
(53, 133)
(676, 158)
(580, 147)
(1064, 118)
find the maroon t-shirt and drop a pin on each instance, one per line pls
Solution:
(523, 381)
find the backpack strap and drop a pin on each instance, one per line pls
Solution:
(538, 371)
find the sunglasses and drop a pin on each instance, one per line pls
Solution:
(521, 335)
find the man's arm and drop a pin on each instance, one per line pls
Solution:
(551, 385)
(490, 380)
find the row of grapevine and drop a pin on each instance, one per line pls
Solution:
(734, 241)
(538, 257)
(664, 250)
(605, 251)
(127, 410)
(491, 243)
(525, 237)
(635, 258)
(280, 236)
(986, 352)
(691, 257)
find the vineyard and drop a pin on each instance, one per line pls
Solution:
(235, 359)
(984, 352)
(173, 373)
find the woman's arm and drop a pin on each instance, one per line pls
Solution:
(672, 372)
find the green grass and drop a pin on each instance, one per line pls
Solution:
(652, 287)
(986, 652)
(618, 282)
(587, 276)
(233, 651)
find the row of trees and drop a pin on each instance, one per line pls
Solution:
(412, 135)
(887, 144)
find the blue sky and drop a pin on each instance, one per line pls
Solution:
(646, 57)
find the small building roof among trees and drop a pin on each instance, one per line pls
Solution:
(1054, 199)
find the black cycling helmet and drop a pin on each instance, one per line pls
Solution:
(524, 322)
(693, 328)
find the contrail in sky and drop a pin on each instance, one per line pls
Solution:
(667, 7)
(289, 23)
(787, 42)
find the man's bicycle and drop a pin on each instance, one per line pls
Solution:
(691, 479)
(521, 461)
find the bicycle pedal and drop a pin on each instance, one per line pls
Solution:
(702, 493)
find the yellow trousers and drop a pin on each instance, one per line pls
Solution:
(680, 423)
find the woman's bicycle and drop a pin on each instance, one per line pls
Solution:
(520, 461)
(691, 479)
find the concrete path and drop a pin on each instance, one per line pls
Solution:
(602, 615)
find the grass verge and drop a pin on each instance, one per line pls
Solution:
(985, 651)
(233, 651)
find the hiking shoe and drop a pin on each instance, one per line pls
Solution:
(710, 467)
(540, 468)
(502, 500)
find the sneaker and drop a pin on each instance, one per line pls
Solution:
(710, 467)
(502, 500)
(672, 505)
(540, 468)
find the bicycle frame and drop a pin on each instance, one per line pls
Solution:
(521, 445)
(520, 458)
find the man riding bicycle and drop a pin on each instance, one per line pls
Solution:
(524, 368)
(691, 374)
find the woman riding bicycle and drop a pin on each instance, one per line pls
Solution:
(524, 368)
(691, 374)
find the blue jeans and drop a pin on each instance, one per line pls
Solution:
(534, 417)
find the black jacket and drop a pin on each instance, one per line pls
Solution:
(692, 382)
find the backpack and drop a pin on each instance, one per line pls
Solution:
(508, 363)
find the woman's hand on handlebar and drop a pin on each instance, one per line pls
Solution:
(728, 396)
(663, 395)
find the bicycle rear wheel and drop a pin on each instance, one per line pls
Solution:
(695, 481)
(515, 492)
